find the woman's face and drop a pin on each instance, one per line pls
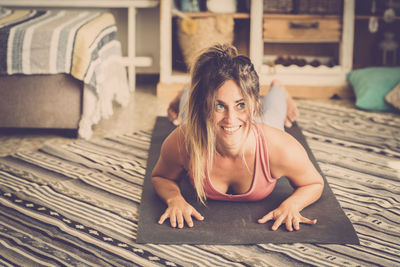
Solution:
(230, 114)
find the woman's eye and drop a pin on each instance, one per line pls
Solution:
(241, 106)
(219, 107)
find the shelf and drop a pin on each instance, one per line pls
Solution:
(210, 14)
(308, 69)
(304, 76)
(243, 15)
(315, 41)
(300, 16)
(366, 17)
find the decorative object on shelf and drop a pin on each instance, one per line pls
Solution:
(389, 15)
(188, 25)
(389, 49)
(373, 23)
(210, 30)
(315, 63)
(190, 5)
(301, 62)
(271, 64)
(222, 6)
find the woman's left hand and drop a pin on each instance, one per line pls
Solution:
(290, 216)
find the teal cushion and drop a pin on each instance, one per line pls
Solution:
(371, 85)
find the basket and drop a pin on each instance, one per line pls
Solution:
(209, 31)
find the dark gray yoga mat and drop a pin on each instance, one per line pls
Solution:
(236, 223)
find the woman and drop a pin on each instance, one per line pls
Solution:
(228, 155)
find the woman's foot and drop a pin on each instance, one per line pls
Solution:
(173, 110)
(291, 107)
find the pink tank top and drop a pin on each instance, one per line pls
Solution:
(263, 182)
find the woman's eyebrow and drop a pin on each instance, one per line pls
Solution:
(222, 102)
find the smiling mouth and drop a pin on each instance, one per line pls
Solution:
(230, 130)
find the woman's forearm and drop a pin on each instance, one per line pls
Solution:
(304, 196)
(166, 189)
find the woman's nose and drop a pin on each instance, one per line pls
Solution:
(230, 115)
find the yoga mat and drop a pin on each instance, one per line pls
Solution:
(236, 223)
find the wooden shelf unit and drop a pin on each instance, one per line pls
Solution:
(310, 82)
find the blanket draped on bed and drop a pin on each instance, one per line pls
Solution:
(81, 43)
(78, 204)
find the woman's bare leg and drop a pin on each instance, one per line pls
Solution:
(176, 106)
(291, 107)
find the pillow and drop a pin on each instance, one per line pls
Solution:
(393, 97)
(371, 85)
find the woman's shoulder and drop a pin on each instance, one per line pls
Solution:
(175, 138)
(277, 140)
(269, 131)
(174, 145)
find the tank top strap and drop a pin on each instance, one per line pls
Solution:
(263, 153)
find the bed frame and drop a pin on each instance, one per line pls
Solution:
(39, 101)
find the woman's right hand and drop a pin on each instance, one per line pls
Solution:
(179, 212)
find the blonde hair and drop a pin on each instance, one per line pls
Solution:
(213, 67)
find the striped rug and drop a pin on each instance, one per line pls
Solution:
(77, 204)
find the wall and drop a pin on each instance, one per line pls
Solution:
(147, 35)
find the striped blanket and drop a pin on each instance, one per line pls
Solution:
(81, 43)
(77, 204)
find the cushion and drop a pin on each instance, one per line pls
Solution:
(393, 97)
(371, 85)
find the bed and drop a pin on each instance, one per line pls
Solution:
(59, 69)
